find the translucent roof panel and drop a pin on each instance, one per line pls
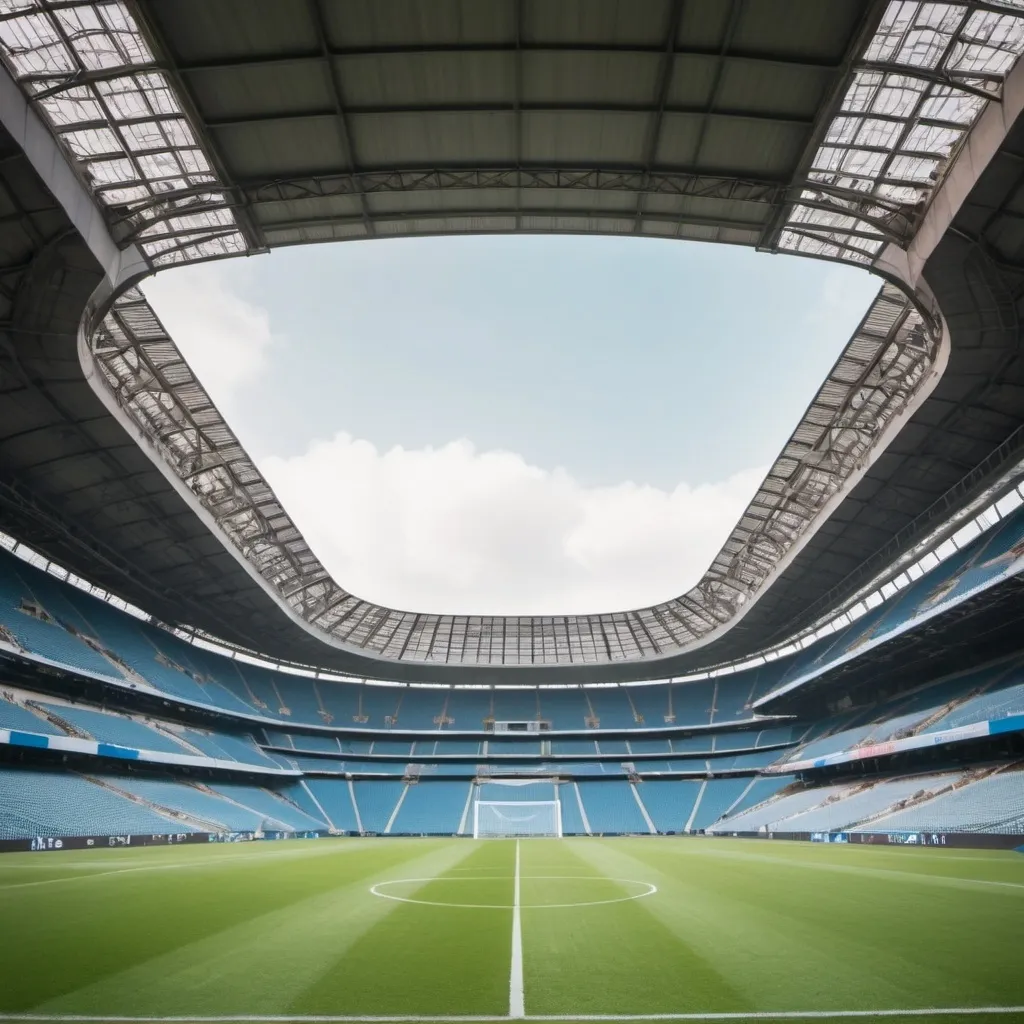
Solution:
(924, 78)
(93, 77)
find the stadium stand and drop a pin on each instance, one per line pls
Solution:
(272, 806)
(112, 728)
(226, 747)
(985, 707)
(669, 803)
(138, 651)
(718, 796)
(612, 807)
(14, 716)
(52, 803)
(768, 815)
(759, 790)
(334, 796)
(432, 808)
(856, 804)
(376, 802)
(204, 808)
(572, 815)
(991, 804)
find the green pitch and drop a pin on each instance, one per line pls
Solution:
(407, 927)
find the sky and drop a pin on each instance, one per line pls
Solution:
(513, 425)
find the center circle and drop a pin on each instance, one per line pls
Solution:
(647, 887)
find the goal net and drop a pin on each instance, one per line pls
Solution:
(494, 819)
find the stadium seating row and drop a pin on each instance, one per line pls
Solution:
(983, 694)
(832, 808)
(64, 718)
(44, 802)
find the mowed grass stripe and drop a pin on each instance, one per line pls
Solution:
(429, 959)
(821, 940)
(617, 958)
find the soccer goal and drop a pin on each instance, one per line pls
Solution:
(497, 819)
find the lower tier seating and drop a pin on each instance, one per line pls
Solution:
(992, 804)
(669, 804)
(432, 808)
(273, 806)
(612, 807)
(834, 808)
(376, 802)
(56, 803)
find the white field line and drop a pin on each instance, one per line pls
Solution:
(516, 1004)
(935, 1011)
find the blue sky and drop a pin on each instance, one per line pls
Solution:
(514, 424)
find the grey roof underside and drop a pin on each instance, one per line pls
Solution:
(374, 119)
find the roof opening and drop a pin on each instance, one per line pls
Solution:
(513, 424)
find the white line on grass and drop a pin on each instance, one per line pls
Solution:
(377, 889)
(516, 1004)
(934, 1011)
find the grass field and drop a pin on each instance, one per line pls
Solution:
(572, 928)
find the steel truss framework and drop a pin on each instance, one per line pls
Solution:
(127, 123)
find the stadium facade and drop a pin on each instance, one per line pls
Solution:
(143, 134)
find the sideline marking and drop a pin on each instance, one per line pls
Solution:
(516, 1004)
(651, 889)
(935, 1011)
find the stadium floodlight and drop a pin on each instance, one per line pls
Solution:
(514, 819)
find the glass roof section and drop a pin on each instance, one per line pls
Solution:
(94, 80)
(924, 78)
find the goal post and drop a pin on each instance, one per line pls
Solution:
(516, 819)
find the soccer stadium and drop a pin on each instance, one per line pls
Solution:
(232, 790)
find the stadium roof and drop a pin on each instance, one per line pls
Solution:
(198, 129)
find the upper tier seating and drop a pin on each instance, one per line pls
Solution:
(141, 653)
(993, 804)
(56, 803)
(47, 639)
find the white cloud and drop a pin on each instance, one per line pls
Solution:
(452, 529)
(226, 339)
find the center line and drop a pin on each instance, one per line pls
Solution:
(516, 1006)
